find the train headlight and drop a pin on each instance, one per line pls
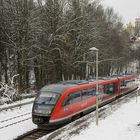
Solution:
(41, 109)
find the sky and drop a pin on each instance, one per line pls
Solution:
(127, 9)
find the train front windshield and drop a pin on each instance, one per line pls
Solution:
(46, 97)
(45, 102)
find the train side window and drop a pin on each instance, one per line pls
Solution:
(109, 88)
(87, 93)
(76, 96)
(72, 98)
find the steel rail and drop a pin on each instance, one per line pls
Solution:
(34, 134)
(15, 117)
(15, 123)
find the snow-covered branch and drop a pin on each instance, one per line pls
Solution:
(8, 92)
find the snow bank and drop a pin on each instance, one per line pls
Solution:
(11, 132)
(121, 125)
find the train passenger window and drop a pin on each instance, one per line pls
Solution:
(87, 93)
(72, 98)
(109, 88)
(76, 97)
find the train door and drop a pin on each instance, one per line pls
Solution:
(67, 106)
(72, 103)
(76, 101)
(88, 97)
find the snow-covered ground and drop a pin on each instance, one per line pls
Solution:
(11, 132)
(121, 125)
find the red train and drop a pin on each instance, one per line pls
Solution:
(60, 103)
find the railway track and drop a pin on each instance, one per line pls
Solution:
(13, 120)
(34, 134)
(15, 117)
(103, 112)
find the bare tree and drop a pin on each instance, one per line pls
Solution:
(49, 37)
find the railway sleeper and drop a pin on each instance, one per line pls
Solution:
(33, 137)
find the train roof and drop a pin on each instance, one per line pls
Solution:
(76, 82)
(57, 88)
(63, 85)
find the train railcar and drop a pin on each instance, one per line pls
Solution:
(57, 104)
